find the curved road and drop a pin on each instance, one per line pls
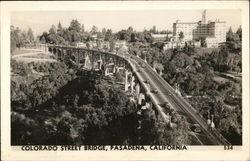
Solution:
(167, 94)
(208, 135)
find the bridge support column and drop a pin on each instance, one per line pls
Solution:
(87, 63)
(106, 72)
(161, 73)
(208, 118)
(77, 57)
(137, 91)
(141, 97)
(114, 69)
(59, 54)
(145, 59)
(91, 58)
(212, 121)
(177, 89)
(100, 62)
(132, 83)
(126, 80)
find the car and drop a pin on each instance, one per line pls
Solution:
(147, 81)
(196, 128)
(139, 70)
(155, 91)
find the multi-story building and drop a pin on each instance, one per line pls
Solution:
(211, 33)
(186, 28)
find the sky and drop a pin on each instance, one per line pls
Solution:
(40, 21)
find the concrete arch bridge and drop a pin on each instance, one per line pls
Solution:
(141, 80)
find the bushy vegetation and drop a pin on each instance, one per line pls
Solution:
(63, 107)
(76, 33)
(21, 38)
(68, 106)
(195, 72)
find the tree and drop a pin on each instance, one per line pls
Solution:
(230, 35)
(239, 32)
(130, 29)
(15, 35)
(94, 30)
(59, 29)
(75, 26)
(44, 38)
(52, 30)
(123, 35)
(148, 37)
(203, 42)
(30, 35)
(133, 37)
(108, 35)
(181, 35)
(153, 30)
(112, 45)
(83, 28)
(104, 31)
(74, 31)
(24, 38)
(67, 35)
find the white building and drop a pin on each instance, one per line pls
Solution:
(81, 44)
(212, 32)
(186, 28)
(121, 46)
(159, 37)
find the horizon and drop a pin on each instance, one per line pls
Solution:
(118, 20)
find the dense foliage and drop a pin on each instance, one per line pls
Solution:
(76, 33)
(21, 38)
(68, 106)
(63, 106)
(195, 72)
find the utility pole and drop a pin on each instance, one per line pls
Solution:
(208, 120)
(212, 121)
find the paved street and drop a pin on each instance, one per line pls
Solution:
(167, 94)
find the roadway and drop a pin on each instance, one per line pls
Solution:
(208, 135)
(166, 93)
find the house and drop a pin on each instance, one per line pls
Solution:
(121, 46)
(159, 37)
(81, 44)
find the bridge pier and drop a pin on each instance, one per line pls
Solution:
(77, 57)
(141, 97)
(99, 62)
(132, 83)
(126, 80)
(137, 90)
(87, 62)
(177, 89)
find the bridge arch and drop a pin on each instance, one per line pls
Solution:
(54, 51)
(50, 49)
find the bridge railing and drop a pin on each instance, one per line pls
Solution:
(127, 59)
(214, 131)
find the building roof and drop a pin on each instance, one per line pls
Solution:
(186, 23)
(159, 35)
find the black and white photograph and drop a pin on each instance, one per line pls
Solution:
(171, 78)
(161, 78)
